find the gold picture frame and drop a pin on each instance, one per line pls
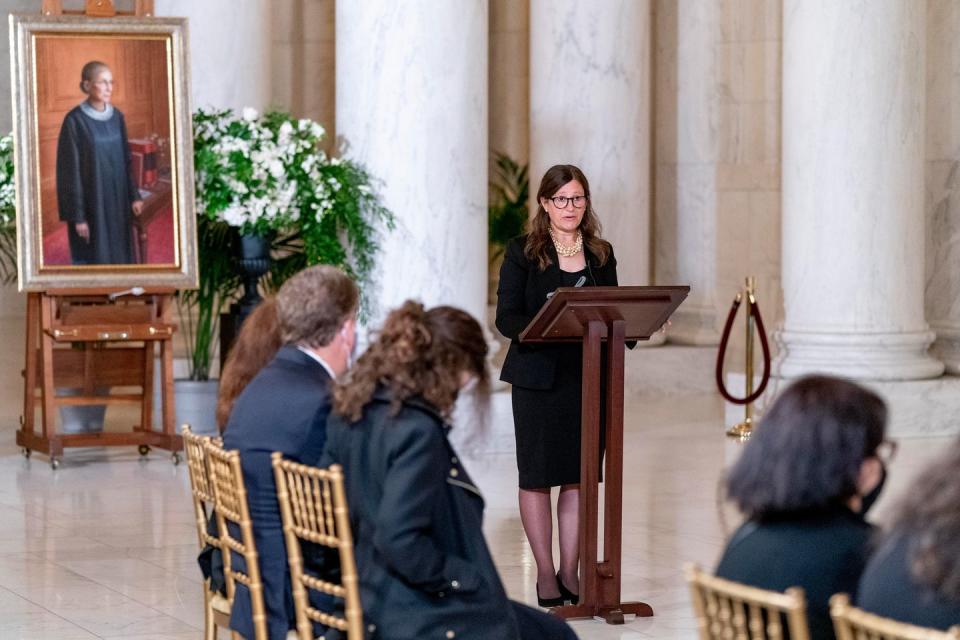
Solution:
(103, 152)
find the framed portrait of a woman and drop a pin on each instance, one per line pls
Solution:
(104, 152)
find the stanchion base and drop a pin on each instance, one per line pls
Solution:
(742, 430)
(613, 615)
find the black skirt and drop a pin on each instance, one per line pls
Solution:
(547, 424)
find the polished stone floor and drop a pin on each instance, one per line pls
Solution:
(104, 547)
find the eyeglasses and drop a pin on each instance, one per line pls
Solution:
(104, 83)
(560, 202)
(887, 451)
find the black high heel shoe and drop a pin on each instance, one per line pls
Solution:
(565, 593)
(549, 603)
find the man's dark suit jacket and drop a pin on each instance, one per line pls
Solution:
(824, 552)
(284, 408)
(522, 292)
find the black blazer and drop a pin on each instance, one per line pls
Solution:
(522, 292)
(424, 567)
(284, 408)
(823, 552)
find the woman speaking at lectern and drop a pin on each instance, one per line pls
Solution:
(562, 248)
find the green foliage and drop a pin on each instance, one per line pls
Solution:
(509, 192)
(266, 175)
(8, 212)
(199, 309)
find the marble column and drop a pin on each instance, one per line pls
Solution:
(412, 107)
(853, 160)
(943, 179)
(230, 51)
(590, 106)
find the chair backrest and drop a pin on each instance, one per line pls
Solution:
(233, 515)
(313, 507)
(200, 487)
(727, 609)
(851, 623)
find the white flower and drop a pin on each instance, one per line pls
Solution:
(250, 114)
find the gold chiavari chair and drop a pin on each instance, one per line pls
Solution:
(852, 623)
(313, 507)
(216, 608)
(727, 609)
(230, 507)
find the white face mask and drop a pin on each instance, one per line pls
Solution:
(469, 385)
(352, 349)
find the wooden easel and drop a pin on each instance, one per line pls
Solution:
(88, 338)
(84, 338)
(99, 9)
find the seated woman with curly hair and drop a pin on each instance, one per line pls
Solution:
(804, 481)
(915, 575)
(424, 567)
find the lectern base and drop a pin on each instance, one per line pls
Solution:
(613, 615)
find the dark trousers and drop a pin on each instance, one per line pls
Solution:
(539, 625)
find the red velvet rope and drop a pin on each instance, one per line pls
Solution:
(755, 312)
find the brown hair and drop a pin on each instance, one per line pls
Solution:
(538, 227)
(313, 305)
(418, 353)
(89, 72)
(932, 525)
(255, 346)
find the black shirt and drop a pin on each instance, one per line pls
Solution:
(824, 552)
(888, 589)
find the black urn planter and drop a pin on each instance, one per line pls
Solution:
(253, 261)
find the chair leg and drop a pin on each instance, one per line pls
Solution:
(209, 625)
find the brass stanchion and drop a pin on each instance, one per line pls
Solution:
(743, 429)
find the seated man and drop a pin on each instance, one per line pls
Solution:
(285, 408)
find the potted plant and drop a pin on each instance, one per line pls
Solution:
(264, 186)
(507, 211)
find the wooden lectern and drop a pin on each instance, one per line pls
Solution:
(595, 315)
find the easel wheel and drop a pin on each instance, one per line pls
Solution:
(175, 457)
(143, 449)
(26, 452)
(54, 463)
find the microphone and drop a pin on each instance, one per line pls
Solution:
(590, 271)
(133, 291)
(582, 281)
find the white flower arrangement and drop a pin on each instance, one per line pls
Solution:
(260, 172)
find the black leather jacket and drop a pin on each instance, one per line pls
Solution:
(424, 567)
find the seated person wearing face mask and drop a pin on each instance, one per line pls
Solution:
(285, 408)
(804, 481)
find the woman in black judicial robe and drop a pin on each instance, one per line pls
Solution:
(96, 194)
(562, 249)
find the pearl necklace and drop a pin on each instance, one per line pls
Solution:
(564, 250)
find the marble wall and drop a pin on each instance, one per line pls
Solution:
(509, 82)
(717, 158)
(302, 70)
